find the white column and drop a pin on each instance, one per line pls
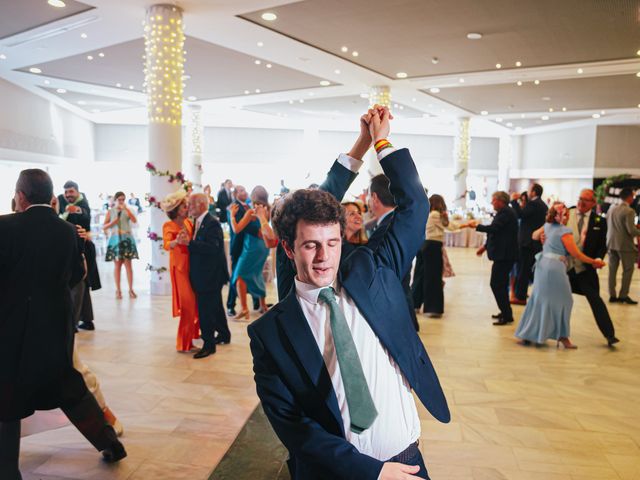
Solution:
(378, 95)
(164, 67)
(192, 162)
(461, 154)
(505, 154)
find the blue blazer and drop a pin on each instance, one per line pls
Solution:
(291, 378)
(207, 262)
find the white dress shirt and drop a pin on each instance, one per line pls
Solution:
(578, 236)
(199, 222)
(397, 425)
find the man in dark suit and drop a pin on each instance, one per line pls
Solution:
(382, 205)
(208, 273)
(39, 262)
(336, 360)
(532, 216)
(340, 177)
(225, 199)
(590, 235)
(502, 249)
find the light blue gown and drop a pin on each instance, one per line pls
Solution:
(250, 265)
(548, 310)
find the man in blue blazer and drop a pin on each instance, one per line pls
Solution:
(335, 362)
(208, 273)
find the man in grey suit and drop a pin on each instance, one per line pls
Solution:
(621, 232)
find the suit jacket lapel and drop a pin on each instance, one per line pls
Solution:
(296, 327)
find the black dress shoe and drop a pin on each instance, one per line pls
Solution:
(502, 321)
(87, 326)
(222, 341)
(256, 304)
(114, 453)
(611, 341)
(231, 312)
(627, 300)
(205, 352)
(497, 315)
(613, 300)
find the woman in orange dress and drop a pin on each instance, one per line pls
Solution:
(184, 299)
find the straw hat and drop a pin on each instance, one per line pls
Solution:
(172, 200)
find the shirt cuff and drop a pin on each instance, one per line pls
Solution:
(350, 163)
(383, 153)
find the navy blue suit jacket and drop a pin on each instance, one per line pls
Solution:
(502, 235)
(291, 378)
(532, 217)
(207, 262)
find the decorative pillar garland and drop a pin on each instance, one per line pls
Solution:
(192, 164)
(164, 70)
(461, 155)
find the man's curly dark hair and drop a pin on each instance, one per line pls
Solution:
(316, 207)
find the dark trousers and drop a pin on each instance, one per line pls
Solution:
(587, 283)
(500, 286)
(525, 271)
(417, 287)
(86, 415)
(433, 295)
(77, 298)
(212, 317)
(233, 293)
(87, 306)
(415, 460)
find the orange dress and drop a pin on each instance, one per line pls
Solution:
(184, 299)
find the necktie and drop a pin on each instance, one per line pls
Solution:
(581, 223)
(361, 407)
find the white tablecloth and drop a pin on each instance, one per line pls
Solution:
(465, 237)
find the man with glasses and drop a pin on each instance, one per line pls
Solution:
(590, 234)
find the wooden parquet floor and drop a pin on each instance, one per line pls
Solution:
(518, 412)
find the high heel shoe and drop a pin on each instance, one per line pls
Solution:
(118, 295)
(243, 314)
(566, 343)
(132, 294)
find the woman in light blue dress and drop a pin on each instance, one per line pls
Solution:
(548, 311)
(121, 248)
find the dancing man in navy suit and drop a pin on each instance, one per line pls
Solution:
(336, 360)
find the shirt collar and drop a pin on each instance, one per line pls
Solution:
(38, 205)
(310, 292)
(382, 217)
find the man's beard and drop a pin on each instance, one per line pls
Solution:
(70, 198)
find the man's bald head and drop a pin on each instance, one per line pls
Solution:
(587, 200)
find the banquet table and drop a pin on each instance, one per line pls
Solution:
(465, 237)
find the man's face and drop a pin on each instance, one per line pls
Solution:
(228, 184)
(241, 193)
(316, 253)
(586, 202)
(194, 210)
(497, 204)
(71, 194)
(531, 193)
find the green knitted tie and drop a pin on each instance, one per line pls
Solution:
(361, 407)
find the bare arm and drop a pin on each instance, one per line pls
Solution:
(570, 244)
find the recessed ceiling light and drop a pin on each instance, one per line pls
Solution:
(61, 90)
(47, 82)
(638, 74)
(474, 36)
(83, 35)
(344, 49)
(401, 75)
(602, 112)
(247, 92)
(518, 64)
(545, 117)
(57, 3)
(81, 102)
(638, 52)
(461, 80)
(564, 109)
(325, 83)
(290, 102)
(268, 65)
(639, 105)
(101, 55)
(260, 44)
(522, 115)
(337, 72)
(355, 53)
(519, 83)
(257, 62)
(580, 70)
(596, 115)
(550, 109)
(499, 120)
(301, 100)
(191, 98)
(498, 65)
(130, 87)
(35, 70)
(484, 112)
(435, 60)
(257, 90)
(434, 90)
(118, 85)
(3, 56)
(537, 82)
(269, 16)
(509, 124)
(89, 57)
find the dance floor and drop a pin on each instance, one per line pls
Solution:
(517, 412)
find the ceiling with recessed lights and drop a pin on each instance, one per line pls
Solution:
(259, 58)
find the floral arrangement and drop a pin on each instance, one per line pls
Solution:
(602, 190)
(177, 177)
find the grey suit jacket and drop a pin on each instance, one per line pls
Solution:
(621, 229)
